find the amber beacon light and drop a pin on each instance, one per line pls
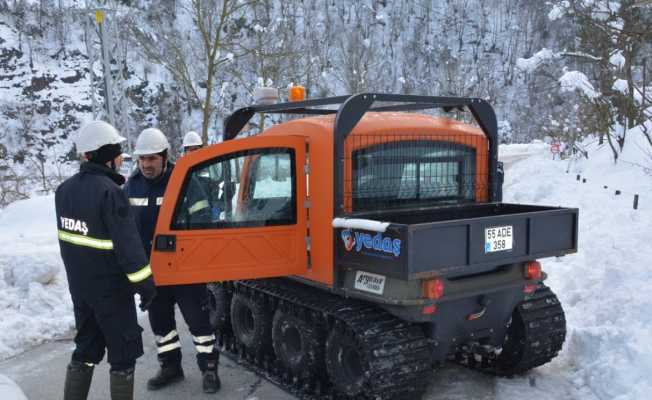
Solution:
(297, 93)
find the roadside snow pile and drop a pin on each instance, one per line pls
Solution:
(35, 303)
(523, 149)
(606, 287)
(9, 390)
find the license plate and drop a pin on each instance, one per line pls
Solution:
(368, 282)
(498, 238)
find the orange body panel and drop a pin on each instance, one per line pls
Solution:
(386, 127)
(209, 255)
(242, 253)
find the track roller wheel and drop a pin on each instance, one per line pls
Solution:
(251, 323)
(297, 343)
(345, 363)
(535, 334)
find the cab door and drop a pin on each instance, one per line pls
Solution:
(232, 211)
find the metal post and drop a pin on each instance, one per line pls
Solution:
(91, 62)
(106, 63)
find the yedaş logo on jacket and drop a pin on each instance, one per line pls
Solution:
(377, 242)
(74, 225)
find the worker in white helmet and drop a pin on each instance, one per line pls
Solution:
(192, 141)
(104, 263)
(145, 190)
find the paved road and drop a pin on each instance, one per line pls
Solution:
(40, 372)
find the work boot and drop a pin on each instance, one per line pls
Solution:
(78, 381)
(210, 381)
(167, 375)
(122, 384)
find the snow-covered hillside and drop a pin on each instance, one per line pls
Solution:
(605, 288)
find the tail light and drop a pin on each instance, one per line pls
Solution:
(433, 288)
(430, 309)
(533, 270)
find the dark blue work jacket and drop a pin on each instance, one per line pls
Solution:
(146, 196)
(97, 234)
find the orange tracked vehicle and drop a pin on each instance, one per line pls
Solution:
(352, 249)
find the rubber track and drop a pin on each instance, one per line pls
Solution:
(399, 353)
(545, 331)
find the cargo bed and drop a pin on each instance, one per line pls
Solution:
(457, 241)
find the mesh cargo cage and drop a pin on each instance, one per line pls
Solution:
(416, 170)
(447, 165)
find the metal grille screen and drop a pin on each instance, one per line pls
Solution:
(391, 172)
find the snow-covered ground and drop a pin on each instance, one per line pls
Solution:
(605, 288)
(35, 302)
(9, 390)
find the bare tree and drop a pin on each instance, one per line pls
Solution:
(217, 24)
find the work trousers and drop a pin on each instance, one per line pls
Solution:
(109, 322)
(193, 303)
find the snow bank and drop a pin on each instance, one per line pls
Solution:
(35, 302)
(536, 147)
(604, 288)
(9, 390)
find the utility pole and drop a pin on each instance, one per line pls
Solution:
(113, 87)
(88, 39)
(106, 62)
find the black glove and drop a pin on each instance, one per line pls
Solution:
(147, 291)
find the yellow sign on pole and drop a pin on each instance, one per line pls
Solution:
(99, 16)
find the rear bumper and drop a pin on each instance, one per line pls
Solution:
(473, 309)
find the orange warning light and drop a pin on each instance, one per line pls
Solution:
(297, 93)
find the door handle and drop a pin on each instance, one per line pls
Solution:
(165, 243)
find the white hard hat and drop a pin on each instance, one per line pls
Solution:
(151, 141)
(96, 134)
(192, 139)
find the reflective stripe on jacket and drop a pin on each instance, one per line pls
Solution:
(145, 197)
(97, 233)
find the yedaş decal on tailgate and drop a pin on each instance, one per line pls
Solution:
(364, 241)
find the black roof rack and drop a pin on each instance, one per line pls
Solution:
(351, 108)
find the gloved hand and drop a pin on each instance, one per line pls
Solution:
(147, 291)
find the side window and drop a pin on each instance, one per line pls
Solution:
(250, 188)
